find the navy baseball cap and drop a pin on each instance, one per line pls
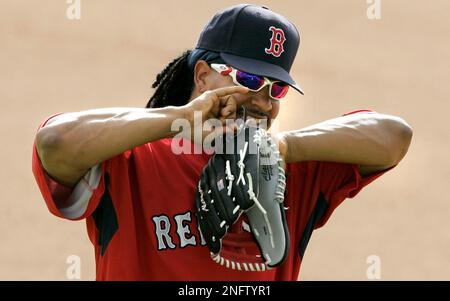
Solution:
(253, 39)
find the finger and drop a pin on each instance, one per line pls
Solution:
(224, 205)
(229, 109)
(205, 204)
(221, 92)
(213, 244)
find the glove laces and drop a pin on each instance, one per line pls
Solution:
(241, 164)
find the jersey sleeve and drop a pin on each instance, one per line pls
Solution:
(339, 181)
(70, 203)
(318, 188)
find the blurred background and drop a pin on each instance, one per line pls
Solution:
(398, 64)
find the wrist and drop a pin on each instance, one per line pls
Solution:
(171, 116)
(282, 146)
(186, 113)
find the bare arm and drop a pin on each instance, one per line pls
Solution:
(371, 140)
(69, 144)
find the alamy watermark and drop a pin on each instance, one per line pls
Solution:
(374, 10)
(73, 271)
(73, 11)
(373, 271)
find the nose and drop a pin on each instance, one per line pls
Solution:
(262, 99)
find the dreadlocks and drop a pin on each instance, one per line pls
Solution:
(174, 84)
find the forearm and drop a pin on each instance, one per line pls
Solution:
(77, 141)
(364, 138)
(69, 144)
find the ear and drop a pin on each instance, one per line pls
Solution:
(201, 73)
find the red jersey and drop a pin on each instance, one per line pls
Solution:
(139, 209)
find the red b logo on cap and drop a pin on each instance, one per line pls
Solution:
(276, 42)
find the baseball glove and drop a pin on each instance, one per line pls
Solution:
(245, 176)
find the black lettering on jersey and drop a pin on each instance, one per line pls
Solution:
(319, 210)
(105, 218)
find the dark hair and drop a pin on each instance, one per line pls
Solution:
(174, 84)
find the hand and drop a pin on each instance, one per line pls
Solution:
(219, 104)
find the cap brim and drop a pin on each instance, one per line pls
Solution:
(260, 68)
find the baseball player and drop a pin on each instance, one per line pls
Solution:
(116, 167)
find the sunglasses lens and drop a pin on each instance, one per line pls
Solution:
(279, 90)
(251, 81)
(254, 82)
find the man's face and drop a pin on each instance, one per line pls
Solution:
(258, 105)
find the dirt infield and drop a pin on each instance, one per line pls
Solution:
(399, 65)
